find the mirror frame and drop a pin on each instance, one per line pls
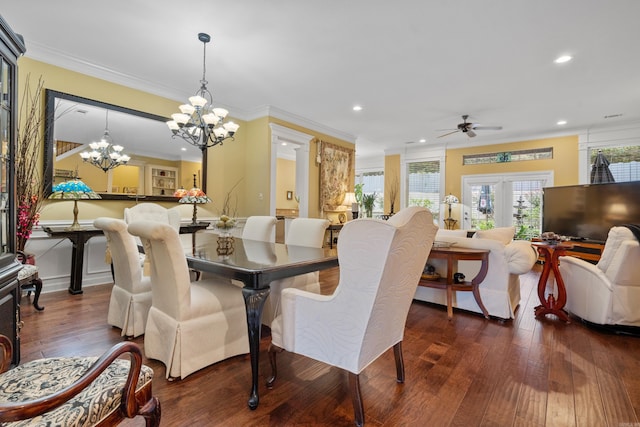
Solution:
(49, 143)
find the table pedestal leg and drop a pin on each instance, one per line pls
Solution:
(254, 300)
(549, 303)
(77, 254)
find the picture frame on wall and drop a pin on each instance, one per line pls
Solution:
(289, 195)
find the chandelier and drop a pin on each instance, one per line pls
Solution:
(104, 154)
(198, 123)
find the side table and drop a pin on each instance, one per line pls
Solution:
(78, 239)
(453, 255)
(551, 304)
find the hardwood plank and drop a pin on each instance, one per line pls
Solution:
(465, 372)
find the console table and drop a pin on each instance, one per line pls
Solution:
(78, 239)
(549, 303)
(453, 255)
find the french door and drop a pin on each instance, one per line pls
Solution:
(505, 200)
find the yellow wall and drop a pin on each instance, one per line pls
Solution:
(286, 181)
(391, 179)
(314, 168)
(564, 163)
(239, 168)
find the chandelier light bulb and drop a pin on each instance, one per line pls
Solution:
(187, 109)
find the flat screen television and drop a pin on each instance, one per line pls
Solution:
(587, 212)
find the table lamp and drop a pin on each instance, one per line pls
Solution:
(350, 200)
(74, 190)
(449, 222)
(195, 196)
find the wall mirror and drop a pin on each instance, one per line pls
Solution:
(159, 163)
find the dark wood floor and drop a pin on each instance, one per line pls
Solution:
(464, 372)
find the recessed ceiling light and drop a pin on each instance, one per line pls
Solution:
(562, 59)
(561, 122)
(183, 149)
(357, 108)
(283, 143)
(422, 140)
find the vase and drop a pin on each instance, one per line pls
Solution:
(225, 243)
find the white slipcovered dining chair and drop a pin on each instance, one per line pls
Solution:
(380, 266)
(607, 293)
(131, 293)
(153, 212)
(262, 228)
(191, 325)
(307, 232)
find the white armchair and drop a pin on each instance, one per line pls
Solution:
(607, 293)
(380, 266)
(191, 324)
(307, 232)
(131, 293)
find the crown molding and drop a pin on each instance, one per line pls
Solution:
(64, 60)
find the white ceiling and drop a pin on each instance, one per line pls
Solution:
(414, 65)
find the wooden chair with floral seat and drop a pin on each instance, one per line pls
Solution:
(28, 279)
(78, 391)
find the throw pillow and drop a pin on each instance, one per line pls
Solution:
(502, 234)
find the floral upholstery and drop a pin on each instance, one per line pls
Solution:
(40, 378)
(27, 271)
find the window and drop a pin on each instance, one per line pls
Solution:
(424, 185)
(624, 161)
(373, 184)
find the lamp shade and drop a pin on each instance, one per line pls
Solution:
(74, 189)
(195, 195)
(349, 199)
(450, 199)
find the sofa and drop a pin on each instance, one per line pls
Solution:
(500, 290)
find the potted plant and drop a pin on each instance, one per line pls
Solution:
(368, 200)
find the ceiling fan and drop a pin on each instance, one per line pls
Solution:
(469, 128)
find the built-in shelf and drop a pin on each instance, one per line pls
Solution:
(161, 180)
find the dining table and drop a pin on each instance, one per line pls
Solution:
(256, 264)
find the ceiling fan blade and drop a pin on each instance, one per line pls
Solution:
(480, 127)
(450, 133)
(470, 133)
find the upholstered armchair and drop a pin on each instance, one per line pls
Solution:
(307, 232)
(380, 266)
(78, 391)
(131, 293)
(262, 228)
(607, 293)
(191, 325)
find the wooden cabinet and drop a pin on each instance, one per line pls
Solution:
(161, 180)
(11, 46)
